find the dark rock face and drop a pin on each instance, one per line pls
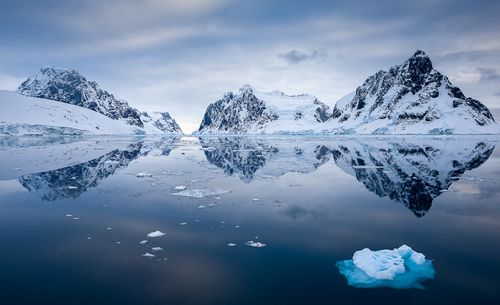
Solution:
(237, 113)
(409, 94)
(69, 86)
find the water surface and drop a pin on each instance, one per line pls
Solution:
(73, 213)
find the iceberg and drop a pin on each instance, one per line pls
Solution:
(156, 234)
(400, 268)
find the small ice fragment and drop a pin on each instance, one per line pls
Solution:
(142, 242)
(89, 237)
(156, 234)
(143, 174)
(211, 205)
(201, 206)
(16, 169)
(118, 242)
(183, 223)
(76, 218)
(255, 244)
(147, 254)
(108, 228)
(180, 187)
(71, 187)
(200, 193)
(157, 248)
(237, 227)
(69, 215)
(223, 222)
(231, 245)
(255, 199)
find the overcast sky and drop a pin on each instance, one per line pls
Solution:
(180, 56)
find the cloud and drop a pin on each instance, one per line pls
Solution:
(297, 56)
(488, 74)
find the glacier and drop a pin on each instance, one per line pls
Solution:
(400, 268)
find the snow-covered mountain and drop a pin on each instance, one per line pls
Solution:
(411, 98)
(69, 86)
(22, 115)
(253, 112)
(412, 173)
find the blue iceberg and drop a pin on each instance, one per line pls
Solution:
(400, 268)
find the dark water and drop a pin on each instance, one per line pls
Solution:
(312, 201)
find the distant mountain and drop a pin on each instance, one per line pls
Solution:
(411, 98)
(69, 86)
(253, 112)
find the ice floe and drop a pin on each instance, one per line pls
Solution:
(400, 268)
(147, 254)
(143, 175)
(156, 234)
(255, 244)
(157, 249)
(231, 245)
(200, 193)
(142, 242)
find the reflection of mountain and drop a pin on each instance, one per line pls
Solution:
(245, 156)
(411, 173)
(72, 181)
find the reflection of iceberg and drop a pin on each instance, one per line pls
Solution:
(245, 156)
(401, 268)
(73, 180)
(410, 173)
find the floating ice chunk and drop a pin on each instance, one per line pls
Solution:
(231, 245)
(183, 223)
(201, 206)
(69, 215)
(398, 268)
(142, 242)
(71, 187)
(108, 228)
(147, 254)
(76, 218)
(143, 175)
(180, 187)
(156, 234)
(255, 244)
(157, 249)
(200, 193)
(255, 199)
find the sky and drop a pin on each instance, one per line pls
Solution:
(180, 56)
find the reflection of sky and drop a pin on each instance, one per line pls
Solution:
(326, 215)
(154, 53)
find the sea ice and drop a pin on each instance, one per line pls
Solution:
(255, 244)
(156, 234)
(398, 268)
(200, 193)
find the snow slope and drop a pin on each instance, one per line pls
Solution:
(253, 112)
(23, 115)
(69, 86)
(411, 98)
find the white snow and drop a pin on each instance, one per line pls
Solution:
(386, 264)
(200, 193)
(156, 234)
(22, 115)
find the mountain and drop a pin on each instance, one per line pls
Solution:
(69, 86)
(410, 173)
(254, 112)
(411, 98)
(22, 115)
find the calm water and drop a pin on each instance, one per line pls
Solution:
(73, 213)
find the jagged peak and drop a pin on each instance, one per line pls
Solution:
(246, 88)
(419, 62)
